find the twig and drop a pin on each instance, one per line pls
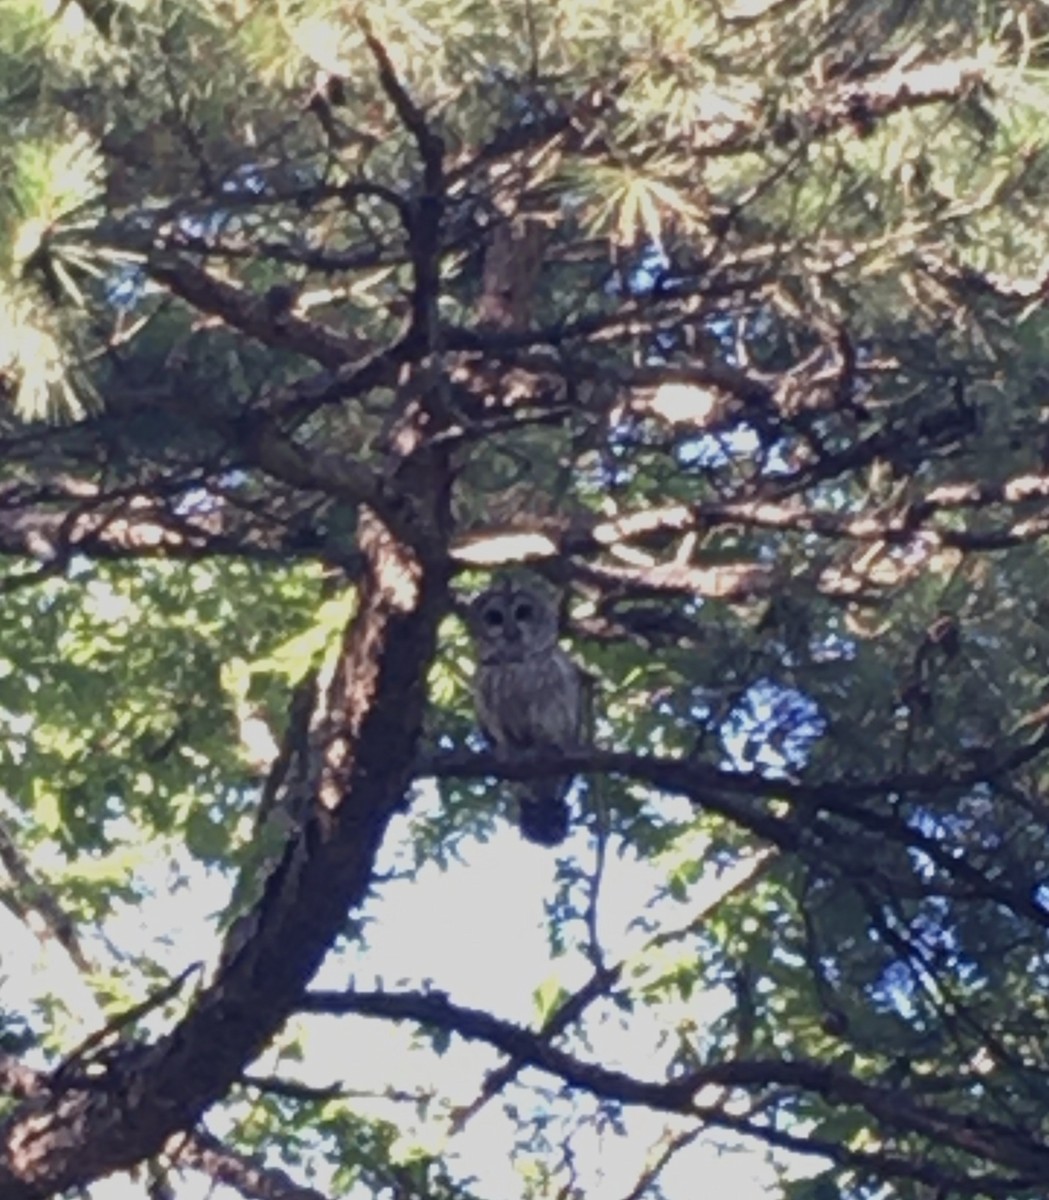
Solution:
(566, 1013)
(290, 1089)
(671, 1145)
(121, 1021)
(31, 895)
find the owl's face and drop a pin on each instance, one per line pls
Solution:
(511, 623)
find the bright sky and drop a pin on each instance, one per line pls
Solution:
(477, 932)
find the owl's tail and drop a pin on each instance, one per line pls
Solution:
(543, 812)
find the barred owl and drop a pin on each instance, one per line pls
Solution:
(528, 697)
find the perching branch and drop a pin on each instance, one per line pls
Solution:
(824, 819)
(688, 777)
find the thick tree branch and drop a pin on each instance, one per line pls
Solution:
(257, 316)
(684, 775)
(824, 816)
(329, 473)
(523, 1045)
(364, 745)
(199, 1150)
(909, 523)
(993, 1142)
(188, 517)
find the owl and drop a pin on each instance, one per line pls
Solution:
(528, 695)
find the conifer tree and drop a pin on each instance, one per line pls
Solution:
(724, 321)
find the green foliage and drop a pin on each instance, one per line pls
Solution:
(823, 225)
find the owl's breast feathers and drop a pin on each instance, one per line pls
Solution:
(532, 703)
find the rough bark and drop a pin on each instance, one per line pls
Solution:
(83, 1126)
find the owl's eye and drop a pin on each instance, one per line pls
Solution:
(523, 611)
(493, 618)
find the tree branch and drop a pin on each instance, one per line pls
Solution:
(523, 1046)
(202, 1151)
(991, 1141)
(565, 1015)
(857, 103)
(424, 214)
(366, 735)
(256, 316)
(812, 828)
(32, 897)
(20, 1081)
(683, 775)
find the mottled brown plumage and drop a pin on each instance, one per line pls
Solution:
(528, 697)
